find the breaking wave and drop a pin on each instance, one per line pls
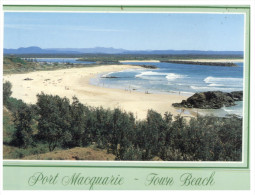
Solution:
(172, 76)
(208, 88)
(168, 76)
(217, 81)
(106, 75)
(150, 73)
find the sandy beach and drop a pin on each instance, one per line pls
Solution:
(75, 82)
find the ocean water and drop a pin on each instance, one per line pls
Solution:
(184, 79)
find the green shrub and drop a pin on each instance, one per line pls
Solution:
(8, 129)
(65, 125)
(7, 86)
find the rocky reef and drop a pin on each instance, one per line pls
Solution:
(148, 66)
(211, 100)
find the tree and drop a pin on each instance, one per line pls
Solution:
(102, 127)
(230, 135)
(23, 122)
(126, 135)
(54, 120)
(78, 123)
(132, 153)
(154, 135)
(7, 86)
(122, 133)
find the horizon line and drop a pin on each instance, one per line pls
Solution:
(128, 49)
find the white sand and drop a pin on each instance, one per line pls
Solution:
(75, 82)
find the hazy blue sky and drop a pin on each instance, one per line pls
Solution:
(132, 31)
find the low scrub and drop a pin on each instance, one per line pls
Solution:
(56, 123)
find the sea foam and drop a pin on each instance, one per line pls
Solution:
(208, 88)
(150, 75)
(168, 76)
(173, 76)
(106, 75)
(221, 80)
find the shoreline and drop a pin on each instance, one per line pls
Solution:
(76, 82)
(189, 60)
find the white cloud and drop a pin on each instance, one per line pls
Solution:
(59, 27)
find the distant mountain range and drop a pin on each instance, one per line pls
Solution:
(110, 50)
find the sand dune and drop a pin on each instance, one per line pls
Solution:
(75, 82)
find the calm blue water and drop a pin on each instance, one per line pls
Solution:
(63, 60)
(185, 79)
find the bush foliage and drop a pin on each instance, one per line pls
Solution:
(64, 124)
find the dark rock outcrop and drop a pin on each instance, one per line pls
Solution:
(237, 95)
(148, 66)
(211, 100)
(109, 77)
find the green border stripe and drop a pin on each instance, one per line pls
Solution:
(249, 84)
(140, 167)
(135, 6)
(147, 8)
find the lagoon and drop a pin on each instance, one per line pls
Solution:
(62, 60)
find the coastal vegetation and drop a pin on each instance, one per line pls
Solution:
(119, 57)
(58, 124)
(14, 64)
(159, 57)
(21, 63)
